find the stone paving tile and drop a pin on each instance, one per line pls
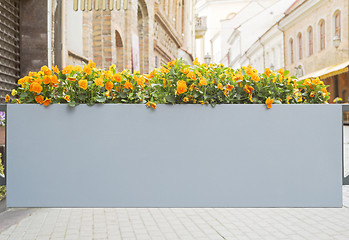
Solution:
(184, 223)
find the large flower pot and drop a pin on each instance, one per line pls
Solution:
(174, 156)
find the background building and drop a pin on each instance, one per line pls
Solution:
(148, 34)
(316, 42)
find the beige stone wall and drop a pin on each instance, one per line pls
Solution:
(159, 25)
(320, 58)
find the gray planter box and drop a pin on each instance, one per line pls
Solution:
(175, 156)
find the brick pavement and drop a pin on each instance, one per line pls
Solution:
(184, 223)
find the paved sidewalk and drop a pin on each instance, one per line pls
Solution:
(184, 223)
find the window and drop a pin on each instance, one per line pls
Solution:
(337, 24)
(291, 50)
(300, 55)
(310, 39)
(322, 34)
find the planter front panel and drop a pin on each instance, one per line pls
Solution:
(174, 156)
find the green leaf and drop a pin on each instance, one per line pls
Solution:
(72, 104)
(101, 99)
(123, 95)
(170, 98)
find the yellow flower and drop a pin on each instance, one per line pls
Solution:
(288, 99)
(67, 98)
(312, 94)
(14, 92)
(7, 98)
(196, 62)
(268, 102)
(112, 67)
(185, 99)
(267, 72)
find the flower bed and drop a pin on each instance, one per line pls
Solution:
(175, 83)
(236, 154)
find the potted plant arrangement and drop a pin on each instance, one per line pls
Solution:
(211, 136)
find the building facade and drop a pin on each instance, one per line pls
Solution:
(316, 42)
(149, 33)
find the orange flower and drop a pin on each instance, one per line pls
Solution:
(164, 70)
(225, 92)
(54, 80)
(99, 82)
(316, 81)
(109, 85)
(202, 82)
(39, 99)
(269, 102)
(35, 87)
(77, 68)
(18, 101)
(267, 72)
(68, 69)
(281, 71)
(7, 98)
(91, 64)
(151, 104)
(46, 79)
(239, 76)
(55, 69)
(67, 98)
(312, 94)
(46, 70)
(255, 77)
(47, 102)
(324, 90)
(185, 71)
(152, 74)
(140, 81)
(191, 75)
(128, 85)
(248, 89)
(117, 77)
(230, 87)
(87, 70)
(83, 84)
(220, 86)
(181, 87)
